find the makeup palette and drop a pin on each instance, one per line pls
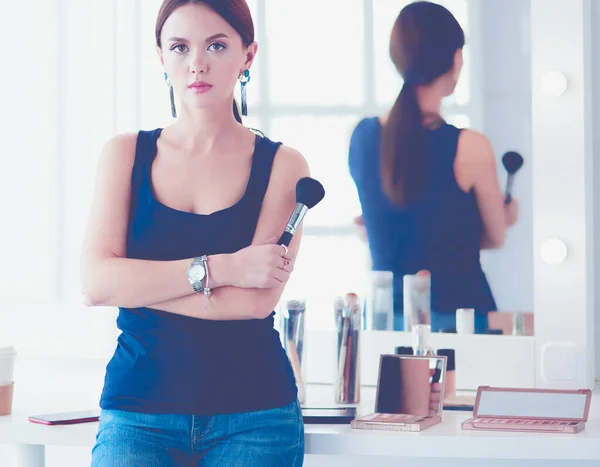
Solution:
(409, 394)
(533, 410)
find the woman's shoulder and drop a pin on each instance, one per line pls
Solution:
(124, 143)
(364, 142)
(474, 144)
(475, 160)
(366, 125)
(289, 161)
(365, 132)
(120, 150)
(289, 166)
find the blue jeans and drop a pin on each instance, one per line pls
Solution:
(265, 438)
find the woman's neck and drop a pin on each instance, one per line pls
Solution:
(201, 130)
(430, 102)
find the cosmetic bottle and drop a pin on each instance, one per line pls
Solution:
(402, 350)
(450, 384)
(421, 347)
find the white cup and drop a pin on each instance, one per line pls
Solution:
(465, 321)
(7, 365)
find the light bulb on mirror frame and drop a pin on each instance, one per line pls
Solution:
(554, 83)
(553, 251)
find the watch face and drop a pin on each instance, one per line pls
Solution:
(196, 273)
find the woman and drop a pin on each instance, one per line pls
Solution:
(429, 191)
(182, 238)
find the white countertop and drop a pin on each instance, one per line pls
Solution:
(447, 438)
(48, 386)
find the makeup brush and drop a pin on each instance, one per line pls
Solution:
(512, 162)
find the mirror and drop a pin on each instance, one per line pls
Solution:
(410, 385)
(493, 96)
(495, 402)
(409, 394)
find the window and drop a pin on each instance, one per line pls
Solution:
(323, 140)
(313, 60)
(25, 249)
(59, 95)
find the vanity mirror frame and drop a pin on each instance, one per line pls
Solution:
(561, 353)
(562, 129)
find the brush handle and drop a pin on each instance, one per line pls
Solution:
(340, 394)
(285, 239)
(509, 184)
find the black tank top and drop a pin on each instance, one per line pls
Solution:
(168, 363)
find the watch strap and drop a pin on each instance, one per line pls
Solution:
(205, 283)
(200, 286)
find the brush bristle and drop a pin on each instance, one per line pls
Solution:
(296, 305)
(309, 192)
(512, 161)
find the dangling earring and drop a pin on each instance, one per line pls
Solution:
(172, 96)
(244, 79)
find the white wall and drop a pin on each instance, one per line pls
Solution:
(61, 104)
(506, 70)
(596, 143)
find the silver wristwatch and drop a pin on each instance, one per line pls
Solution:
(197, 274)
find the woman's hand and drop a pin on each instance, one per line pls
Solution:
(361, 230)
(511, 212)
(262, 266)
(435, 396)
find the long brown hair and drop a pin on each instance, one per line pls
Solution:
(424, 41)
(235, 12)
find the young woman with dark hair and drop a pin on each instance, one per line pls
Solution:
(182, 238)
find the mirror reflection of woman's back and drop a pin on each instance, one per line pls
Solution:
(429, 191)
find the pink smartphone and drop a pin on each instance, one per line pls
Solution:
(66, 418)
(534, 410)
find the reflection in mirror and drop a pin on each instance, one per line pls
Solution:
(436, 211)
(408, 166)
(408, 394)
(410, 385)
